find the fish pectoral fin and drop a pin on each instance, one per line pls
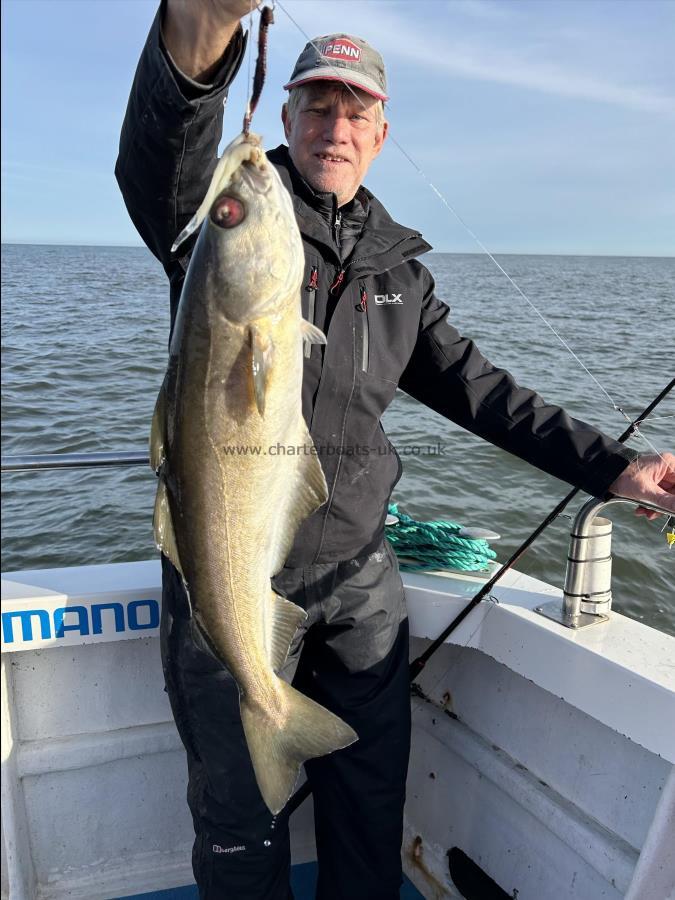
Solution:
(165, 537)
(158, 431)
(278, 748)
(311, 335)
(282, 621)
(262, 354)
(307, 493)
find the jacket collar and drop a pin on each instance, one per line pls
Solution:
(323, 202)
(315, 213)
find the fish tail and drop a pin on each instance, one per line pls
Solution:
(278, 749)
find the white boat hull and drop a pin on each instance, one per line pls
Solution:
(545, 755)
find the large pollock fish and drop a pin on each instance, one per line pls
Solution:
(227, 509)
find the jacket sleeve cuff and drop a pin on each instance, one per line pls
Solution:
(186, 93)
(230, 63)
(603, 472)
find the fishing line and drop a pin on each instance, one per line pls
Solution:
(638, 434)
(418, 664)
(249, 83)
(653, 419)
(477, 240)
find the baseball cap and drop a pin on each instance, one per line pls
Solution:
(341, 57)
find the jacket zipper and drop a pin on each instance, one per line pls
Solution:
(343, 271)
(327, 508)
(337, 225)
(313, 282)
(363, 306)
(335, 286)
(311, 289)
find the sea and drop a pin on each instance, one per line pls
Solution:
(84, 348)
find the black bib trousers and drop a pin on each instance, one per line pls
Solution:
(351, 655)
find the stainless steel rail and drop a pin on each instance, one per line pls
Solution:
(587, 595)
(41, 461)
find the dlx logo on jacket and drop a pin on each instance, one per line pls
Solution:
(381, 299)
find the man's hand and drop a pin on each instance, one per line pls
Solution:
(197, 32)
(650, 478)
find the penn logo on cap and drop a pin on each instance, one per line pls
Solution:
(341, 57)
(342, 49)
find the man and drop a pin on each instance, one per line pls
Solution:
(352, 655)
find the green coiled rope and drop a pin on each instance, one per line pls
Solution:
(436, 545)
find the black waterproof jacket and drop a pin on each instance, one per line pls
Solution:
(387, 328)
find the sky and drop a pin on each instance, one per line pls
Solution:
(549, 127)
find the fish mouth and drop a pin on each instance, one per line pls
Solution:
(243, 163)
(252, 168)
(256, 176)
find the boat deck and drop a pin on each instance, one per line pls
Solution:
(303, 883)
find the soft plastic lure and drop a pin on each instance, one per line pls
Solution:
(669, 530)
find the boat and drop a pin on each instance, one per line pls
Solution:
(542, 768)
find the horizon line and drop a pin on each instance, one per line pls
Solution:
(609, 255)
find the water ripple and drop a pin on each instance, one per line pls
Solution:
(84, 350)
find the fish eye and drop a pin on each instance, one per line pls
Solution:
(227, 212)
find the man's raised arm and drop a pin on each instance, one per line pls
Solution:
(196, 33)
(173, 122)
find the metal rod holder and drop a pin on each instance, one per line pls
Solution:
(587, 595)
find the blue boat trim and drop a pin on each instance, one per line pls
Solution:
(303, 882)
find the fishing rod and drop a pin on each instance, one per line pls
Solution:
(26, 462)
(32, 462)
(418, 664)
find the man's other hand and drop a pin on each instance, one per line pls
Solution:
(650, 478)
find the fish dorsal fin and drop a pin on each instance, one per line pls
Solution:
(311, 335)
(281, 622)
(306, 494)
(165, 536)
(262, 354)
(158, 431)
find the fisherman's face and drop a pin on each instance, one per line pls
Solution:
(333, 137)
